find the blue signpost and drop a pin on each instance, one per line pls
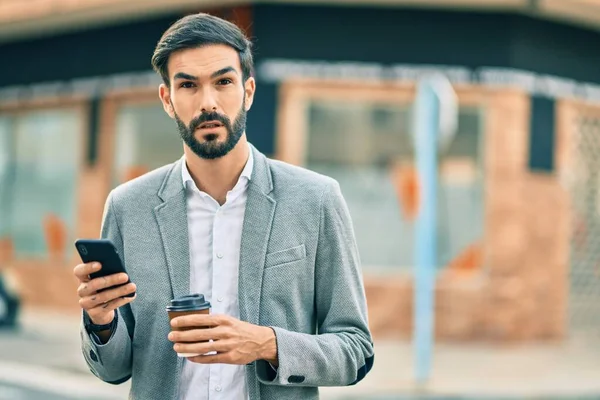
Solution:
(435, 119)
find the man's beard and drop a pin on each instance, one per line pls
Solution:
(211, 148)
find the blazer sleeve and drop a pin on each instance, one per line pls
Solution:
(111, 362)
(341, 353)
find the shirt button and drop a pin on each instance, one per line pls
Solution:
(219, 255)
(220, 299)
(218, 388)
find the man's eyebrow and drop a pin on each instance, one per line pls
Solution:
(222, 71)
(183, 75)
(188, 77)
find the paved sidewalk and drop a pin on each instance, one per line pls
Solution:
(541, 371)
(43, 357)
(47, 340)
(569, 370)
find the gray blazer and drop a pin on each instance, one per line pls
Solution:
(299, 273)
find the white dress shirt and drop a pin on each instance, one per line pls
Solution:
(215, 234)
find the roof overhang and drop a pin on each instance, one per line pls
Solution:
(20, 19)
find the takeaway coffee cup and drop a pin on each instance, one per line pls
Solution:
(187, 305)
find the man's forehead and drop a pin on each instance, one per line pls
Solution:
(204, 61)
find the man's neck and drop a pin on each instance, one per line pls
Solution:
(218, 176)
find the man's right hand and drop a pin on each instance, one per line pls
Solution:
(100, 306)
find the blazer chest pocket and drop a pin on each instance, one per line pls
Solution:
(285, 256)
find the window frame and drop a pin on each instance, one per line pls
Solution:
(292, 127)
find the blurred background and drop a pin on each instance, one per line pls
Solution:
(517, 301)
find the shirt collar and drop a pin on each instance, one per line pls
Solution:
(246, 172)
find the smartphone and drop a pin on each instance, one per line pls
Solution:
(104, 252)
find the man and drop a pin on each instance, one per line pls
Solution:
(270, 245)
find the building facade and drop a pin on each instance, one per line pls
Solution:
(79, 114)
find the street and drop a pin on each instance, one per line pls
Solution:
(9, 391)
(26, 381)
(46, 363)
(14, 392)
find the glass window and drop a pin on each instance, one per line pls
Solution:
(359, 143)
(39, 160)
(146, 139)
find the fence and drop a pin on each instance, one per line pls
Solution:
(583, 171)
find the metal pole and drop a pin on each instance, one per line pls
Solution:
(426, 141)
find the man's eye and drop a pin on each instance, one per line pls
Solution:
(187, 85)
(225, 81)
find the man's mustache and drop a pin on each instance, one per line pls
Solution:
(205, 117)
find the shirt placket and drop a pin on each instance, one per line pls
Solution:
(219, 257)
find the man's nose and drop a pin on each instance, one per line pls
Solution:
(208, 103)
(208, 110)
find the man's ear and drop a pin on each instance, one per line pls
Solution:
(249, 89)
(165, 97)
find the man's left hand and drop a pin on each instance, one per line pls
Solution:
(234, 341)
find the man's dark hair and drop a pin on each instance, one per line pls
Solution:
(199, 30)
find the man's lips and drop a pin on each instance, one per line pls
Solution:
(210, 125)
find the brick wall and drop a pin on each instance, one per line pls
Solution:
(521, 292)
(520, 295)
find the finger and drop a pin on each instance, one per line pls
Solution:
(219, 358)
(92, 287)
(198, 335)
(104, 282)
(198, 320)
(83, 271)
(218, 346)
(82, 290)
(101, 299)
(108, 281)
(109, 307)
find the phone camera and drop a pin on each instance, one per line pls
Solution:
(83, 250)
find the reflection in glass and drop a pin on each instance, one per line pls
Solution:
(38, 173)
(146, 139)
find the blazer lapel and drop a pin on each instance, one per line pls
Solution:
(172, 222)
(260, 210)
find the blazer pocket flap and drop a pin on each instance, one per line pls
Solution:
(285, 256)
